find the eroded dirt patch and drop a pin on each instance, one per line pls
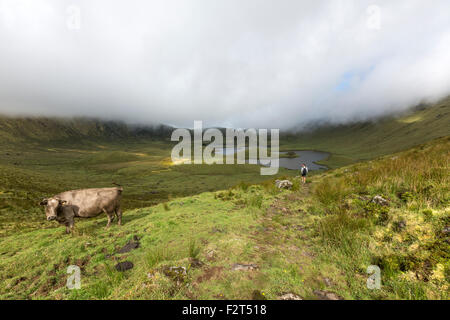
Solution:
(210, 273)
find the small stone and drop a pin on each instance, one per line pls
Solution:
(283, 184)
(123, 266)
(380, 200)
(326, 295)
(446, 230)
(244, 267)
(210, 255)
(290, 296)
(328, 282)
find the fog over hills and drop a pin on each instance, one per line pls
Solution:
(73, 130)
(271, 64)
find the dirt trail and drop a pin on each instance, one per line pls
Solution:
(282, 224)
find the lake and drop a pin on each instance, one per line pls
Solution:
(303, 156)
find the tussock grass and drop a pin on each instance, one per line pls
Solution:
(405, 238)
(194, 249)
(331, 192)
(157, 255)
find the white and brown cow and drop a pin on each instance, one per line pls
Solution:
(85, 203)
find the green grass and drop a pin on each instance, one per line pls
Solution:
(297, 238)
(318, 236)
(405, 239)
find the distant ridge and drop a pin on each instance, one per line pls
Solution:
(43, 129)
(348, 142)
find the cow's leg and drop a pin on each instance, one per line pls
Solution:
(71, 224)
(119, 216)
(67, 227)
(110, 217)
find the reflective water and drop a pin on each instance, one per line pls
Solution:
(304, 156)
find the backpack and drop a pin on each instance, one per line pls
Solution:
(304, 170)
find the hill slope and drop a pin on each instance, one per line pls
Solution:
(362, 141)
(44, 130)
(255, 242)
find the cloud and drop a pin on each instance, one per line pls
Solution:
(274, 64)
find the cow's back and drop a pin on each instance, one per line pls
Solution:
(91, 202)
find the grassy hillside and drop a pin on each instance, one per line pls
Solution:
(74, 131)
(363, 141)
(28, 174)
(314, 241)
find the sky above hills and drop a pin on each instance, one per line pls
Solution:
(246, 63)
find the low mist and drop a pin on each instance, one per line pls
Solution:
(252, 63)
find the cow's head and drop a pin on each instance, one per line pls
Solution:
(51, 207)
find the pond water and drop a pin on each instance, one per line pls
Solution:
(304, 156)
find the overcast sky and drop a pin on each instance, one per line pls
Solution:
(242, 63)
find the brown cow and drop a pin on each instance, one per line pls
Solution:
(85, 203)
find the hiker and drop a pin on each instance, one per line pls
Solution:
(304, 172)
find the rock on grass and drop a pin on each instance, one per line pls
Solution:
(327, 295)
(290, 296)
(245, 267)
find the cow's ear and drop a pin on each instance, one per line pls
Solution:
(43, 202)
(62, 202)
